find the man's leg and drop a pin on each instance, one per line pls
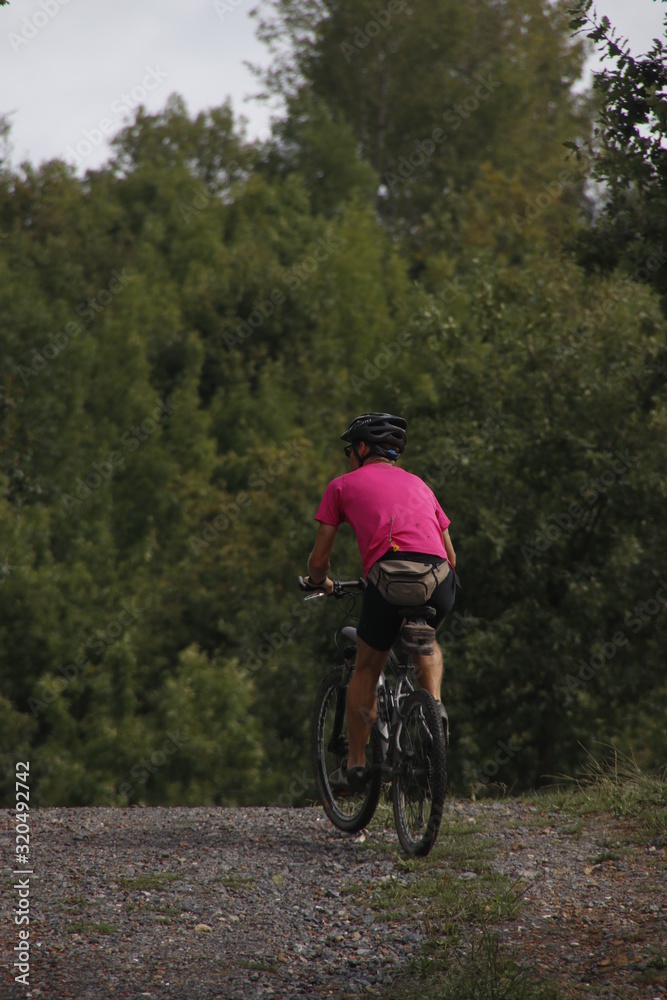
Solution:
(361, 700)
(428, 670)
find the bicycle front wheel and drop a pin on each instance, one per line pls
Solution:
(329, 748)
(420, 774)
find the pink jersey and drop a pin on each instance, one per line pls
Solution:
(387, 508)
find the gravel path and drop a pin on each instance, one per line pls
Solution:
(242, 904)
(201, 903)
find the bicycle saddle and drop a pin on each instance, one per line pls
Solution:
(418, 611)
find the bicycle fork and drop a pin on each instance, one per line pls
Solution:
(383, 723)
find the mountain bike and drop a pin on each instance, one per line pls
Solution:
(407, 744)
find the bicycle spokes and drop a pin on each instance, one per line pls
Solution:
(329, 749)
(419, 777)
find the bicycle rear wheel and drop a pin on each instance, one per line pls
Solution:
(329, 748)
(420, 774)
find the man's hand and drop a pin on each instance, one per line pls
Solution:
(326, 586)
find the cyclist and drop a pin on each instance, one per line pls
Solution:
(393, 514)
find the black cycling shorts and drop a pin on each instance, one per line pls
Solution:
(380, 621)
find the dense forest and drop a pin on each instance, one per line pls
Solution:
(445, 225)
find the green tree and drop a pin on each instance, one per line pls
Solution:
(545, 445)
(628, 155)
(431, 95)
(161, 460)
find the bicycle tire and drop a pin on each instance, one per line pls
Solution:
(419, 781)
(349, 813)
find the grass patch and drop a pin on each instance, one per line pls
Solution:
(606, 856)
(617, 785)
(238, 882)
(74, 904)
(486, 972)
(146, 883)
(464, 854)
(88, 927)
(657, 958)
(443, 903)
(167, 911)
(148, 907)
(458, 901)
(575, 829)
(259, 966)
(460, 915)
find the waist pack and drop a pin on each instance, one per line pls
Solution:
(402, 581)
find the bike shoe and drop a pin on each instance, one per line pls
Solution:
(348, 782)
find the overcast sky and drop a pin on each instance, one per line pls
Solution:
(72, 71)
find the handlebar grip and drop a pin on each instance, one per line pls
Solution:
(309, 590)
(339, 586)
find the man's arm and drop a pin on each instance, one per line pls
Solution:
(449, 549)
(318, 563)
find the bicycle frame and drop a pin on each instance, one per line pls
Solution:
(394, 686)
(407, 746)
(391, 692)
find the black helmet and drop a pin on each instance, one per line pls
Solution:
(386, 434)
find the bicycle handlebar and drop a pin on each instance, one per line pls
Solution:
(340, 587)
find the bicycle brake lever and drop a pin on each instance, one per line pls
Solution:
(309, 590)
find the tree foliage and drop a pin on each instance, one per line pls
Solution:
(628, 154)
(434, 95)
(186, 331)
